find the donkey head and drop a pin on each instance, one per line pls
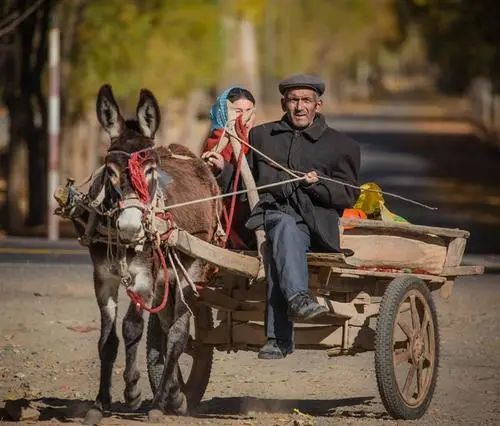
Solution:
(131, 162)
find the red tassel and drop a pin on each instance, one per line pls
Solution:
(137, 177)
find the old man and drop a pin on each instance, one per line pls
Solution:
(299, 216)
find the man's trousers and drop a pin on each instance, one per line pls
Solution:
(286, 268)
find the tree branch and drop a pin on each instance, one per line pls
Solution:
(13, 25)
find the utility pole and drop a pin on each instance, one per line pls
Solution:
(54, 119)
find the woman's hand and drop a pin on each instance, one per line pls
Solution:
(214, 160)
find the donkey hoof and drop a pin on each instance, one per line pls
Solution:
(155, 416)
(93, 417)
(179, 406)
(133, 400)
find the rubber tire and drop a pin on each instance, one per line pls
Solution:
(384, 367)
(201, 368)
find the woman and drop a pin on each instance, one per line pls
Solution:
(231, 104)
(233, 109)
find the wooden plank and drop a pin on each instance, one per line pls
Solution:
(446, 289)
(406, 227)
(253, 334)
(234, 262)
(326, 259)
(254, 292)
(221, 301)
(380, 274)
(218, 300)
(455, 252)
(391, 251)
(258, 316)
(243, 316)
(338, 309)
(252, 197)
(455, 271)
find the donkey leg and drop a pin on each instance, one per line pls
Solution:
(106, 294)
(132, 329)
(170, 396)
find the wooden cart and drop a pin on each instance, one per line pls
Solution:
(379, 299)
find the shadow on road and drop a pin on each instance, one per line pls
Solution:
(244, 406)
(237, 408)
(67, 410)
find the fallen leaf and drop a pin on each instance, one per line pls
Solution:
(82, 328)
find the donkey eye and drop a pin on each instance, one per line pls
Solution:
(150, 171)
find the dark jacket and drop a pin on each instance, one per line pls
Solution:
(318, 148)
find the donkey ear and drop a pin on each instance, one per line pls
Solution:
(148, 114)
(108, 112)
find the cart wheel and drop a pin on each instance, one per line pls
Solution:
(195, 363)
(407, 348)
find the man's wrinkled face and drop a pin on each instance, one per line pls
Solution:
(301, 106)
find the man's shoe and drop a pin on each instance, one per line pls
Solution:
(302, 306)
(275, 349)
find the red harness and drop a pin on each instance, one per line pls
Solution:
(137, 177)
(138, 181)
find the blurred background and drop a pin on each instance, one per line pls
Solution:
(416, 82)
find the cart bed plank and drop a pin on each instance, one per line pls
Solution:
(384, 274)
(406, 227)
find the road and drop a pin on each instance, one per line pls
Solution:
(48, 355)
(438, 162)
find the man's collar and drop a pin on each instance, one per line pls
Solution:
(313, 132)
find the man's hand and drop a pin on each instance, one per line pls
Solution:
(310, 178)
(214, 160)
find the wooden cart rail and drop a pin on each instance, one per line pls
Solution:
(421, 247)
(406, 227)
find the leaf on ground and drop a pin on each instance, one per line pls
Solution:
(82, 328)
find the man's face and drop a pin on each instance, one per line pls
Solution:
(301, 106)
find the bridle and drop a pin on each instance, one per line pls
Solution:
(102, 215)
(98, 226)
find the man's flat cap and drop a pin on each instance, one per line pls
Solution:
(302, 80)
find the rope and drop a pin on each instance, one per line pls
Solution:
(178, 281)
(230, 194)
(296, 172)
(229, 219)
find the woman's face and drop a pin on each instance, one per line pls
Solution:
(242, 106)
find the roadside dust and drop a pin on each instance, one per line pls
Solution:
(48, 362)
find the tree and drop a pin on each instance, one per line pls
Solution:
(167, 46)
(462, 38)
(324, 37)
(22, 61)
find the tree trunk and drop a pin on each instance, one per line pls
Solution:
(16, 187)
(21, 76)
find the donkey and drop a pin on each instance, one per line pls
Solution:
(190, 179)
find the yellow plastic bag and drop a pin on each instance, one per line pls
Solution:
(371, 201)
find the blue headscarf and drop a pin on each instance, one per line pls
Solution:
(218, 112)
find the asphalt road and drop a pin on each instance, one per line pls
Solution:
(437, 162)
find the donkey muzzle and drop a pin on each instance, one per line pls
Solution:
(129, 223)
